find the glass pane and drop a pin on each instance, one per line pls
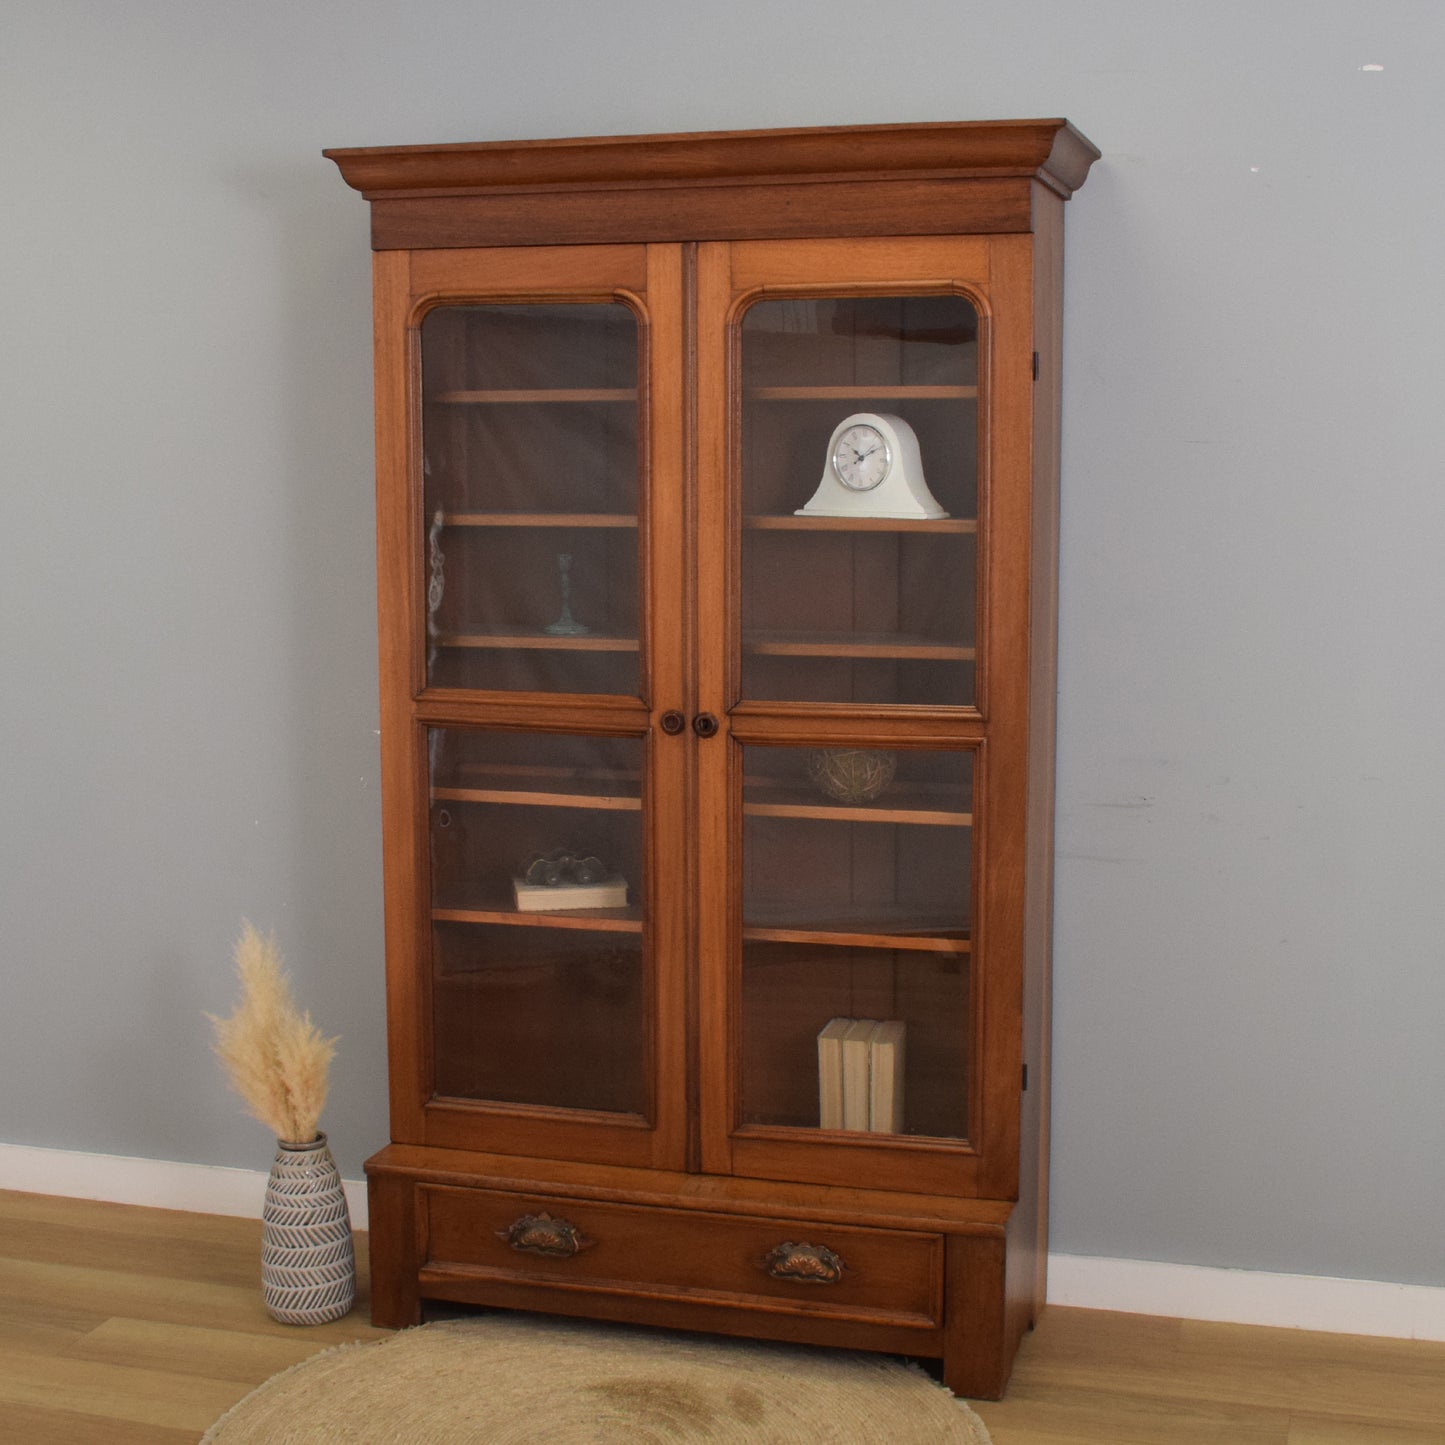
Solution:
(860, 499)
(856, 920)
(538, 977)
(530, 457)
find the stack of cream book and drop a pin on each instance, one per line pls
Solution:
(860, 1075)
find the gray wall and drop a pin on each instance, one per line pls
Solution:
(1251, 820)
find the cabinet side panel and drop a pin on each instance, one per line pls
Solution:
(1030, 1232)
(1001, 852)
(402, 790)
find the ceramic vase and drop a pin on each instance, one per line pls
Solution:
(308, 1266)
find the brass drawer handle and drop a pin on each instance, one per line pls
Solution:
(804, 1263)
(545, 1234)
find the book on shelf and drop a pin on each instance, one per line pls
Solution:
(860, 1075)
(856, 1063)
(830, 1073)
(885, 1077)
(559, 897)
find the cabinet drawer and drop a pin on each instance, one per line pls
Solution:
(787, 1264)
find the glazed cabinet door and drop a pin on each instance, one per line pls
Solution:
(530, 544)
(862, 572)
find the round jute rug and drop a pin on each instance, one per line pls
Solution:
(523, 1380)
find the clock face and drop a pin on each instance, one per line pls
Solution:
(861, 457)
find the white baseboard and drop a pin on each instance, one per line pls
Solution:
(1249, 1297)
(1236, 1296)
(159, 1183)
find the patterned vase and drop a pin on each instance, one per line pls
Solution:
(308, 1266)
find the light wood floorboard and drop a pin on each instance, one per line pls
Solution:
(1087, 1377)
(128, 1326)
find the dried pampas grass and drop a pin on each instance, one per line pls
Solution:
(273, 1055)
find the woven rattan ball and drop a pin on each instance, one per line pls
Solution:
(851, 775)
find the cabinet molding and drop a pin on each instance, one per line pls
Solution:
(921, 179)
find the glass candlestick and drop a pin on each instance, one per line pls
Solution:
(566, 625)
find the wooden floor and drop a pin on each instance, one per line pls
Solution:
(129, 1326)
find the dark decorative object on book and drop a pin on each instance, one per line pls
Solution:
(563, 880)
(553, 869)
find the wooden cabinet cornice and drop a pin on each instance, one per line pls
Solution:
(922, 179)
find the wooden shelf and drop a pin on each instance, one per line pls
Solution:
(538, 519)
(785, 802)
(520, 639)
(588, 920)
(844, 936)
(885, 645)
(544, 395)
(901, 802)
(761, 523)
(629, 920)
(794, 523)
(599, 779)
(580, 793)
(859, 813)
(861, 393)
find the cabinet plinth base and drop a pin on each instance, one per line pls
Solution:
(858, 1269)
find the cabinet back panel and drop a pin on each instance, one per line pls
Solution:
(791, 992)
(530, 440)
(847, 607)
(524, 1016)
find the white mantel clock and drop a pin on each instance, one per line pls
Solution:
(873, 470)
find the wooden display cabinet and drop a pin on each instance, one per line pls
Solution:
(677, 772)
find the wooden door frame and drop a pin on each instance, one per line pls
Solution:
(730, 275)
(407, 285)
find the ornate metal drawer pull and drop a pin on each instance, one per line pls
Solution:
(804, 1264)
(545, 1234)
